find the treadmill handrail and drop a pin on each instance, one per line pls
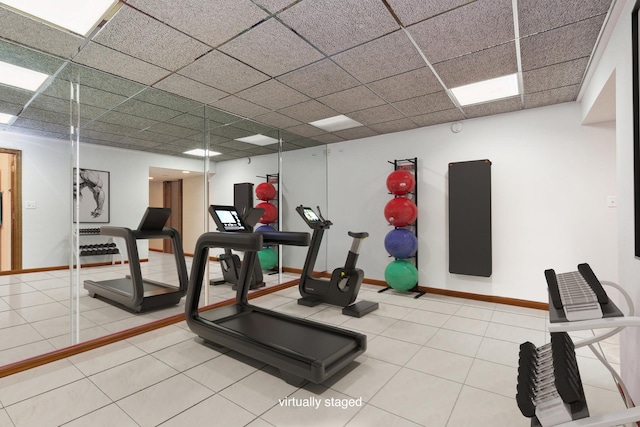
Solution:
(289, 238)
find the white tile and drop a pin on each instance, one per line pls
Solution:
(330, 315)
(8, 280)
(85, 335)
(438, 306)
(50, 283)
(107, 416)
(52, 408)
(160, 338)
(107, 357)
(258, 392)
(519, 320)
(57, 326)
(391, 350)
(43, 311)
(522, 310)
(294, 309)
(29, 277)
(363, 378)
(57, 294)
(482, 408)
(443, 364)
(270, 301)
(418, 397)
(186, 354)
(370, 416)
(474, 312)
(131, 377)
(402, 299)
(455, 342)
(392, 311)
(332, 408)
(25, 351)
(107, 314)
(428, 318)
(259, 422)
(4, 419)
(410, 332)
(221, 372)
(370, 323)
(164, 400)
(227, 414)
(516, 334)
(481, 304)
(11, 318)
(489, 376)
(26, 300)
(126, 323)
(18, 335)
(32, 382)
(14, 288)
(468, 326)
(497, 351)
(594, 373)
(601, 401)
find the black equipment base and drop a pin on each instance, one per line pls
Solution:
(156, 294)
(360, 308)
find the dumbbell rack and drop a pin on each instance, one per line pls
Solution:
(610, 327)
(98, 249)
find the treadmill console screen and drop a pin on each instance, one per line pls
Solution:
(228, 219)
(310, 215)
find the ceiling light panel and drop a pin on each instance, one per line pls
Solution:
(79, 16)
(487, 90)
(258, 139)
(336, 123)
(201, 153)
(12, 75)
(6, 119)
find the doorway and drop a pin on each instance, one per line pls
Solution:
(10, 210)
(172, 198)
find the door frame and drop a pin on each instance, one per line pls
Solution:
(16, 208)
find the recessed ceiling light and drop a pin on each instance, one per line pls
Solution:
(24, 78)
(186, 171)
(201, 153)
(79, 16)
(335, 123)
(150, 178)
(5, 119)
(258, 140)
(487, 90)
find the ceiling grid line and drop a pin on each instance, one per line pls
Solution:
(516, 33)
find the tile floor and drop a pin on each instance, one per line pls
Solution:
(433, 361)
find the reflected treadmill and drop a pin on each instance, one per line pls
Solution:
(132, 291)
(300, 349)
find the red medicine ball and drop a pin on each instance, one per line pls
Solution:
(270, 213)
(265, 191)
(401, 212)
(401, 182)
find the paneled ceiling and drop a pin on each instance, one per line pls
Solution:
(149, 69)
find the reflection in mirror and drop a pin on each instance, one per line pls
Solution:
(304, 183)
(248, 153)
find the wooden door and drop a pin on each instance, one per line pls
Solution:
(172, 198)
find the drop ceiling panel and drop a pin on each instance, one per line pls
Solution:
(15, 95)
(308, 111)
(384, 57)
(491, 108)
(557, 75)
(306, 130)
(36, 124)
(482, 65)
(173, 130)
(239, 106)
(210, 22)
(430, 119)
(223, 72)
(380, 114)
(109, 128)
(561, 44)
(393, 126)
(46, 116)
(7, 107)
(183, 86)
(271, 48)
(466, 29)
(260, 151)
(536, 16)
(549, 97)
(357, 98)
(27, 58)
(328, 138)
(140, 36)
(335, 26)
(96, 135)
(117, 63)
(425, 104)
(407, 85)
(88, 77)
(411, 11)
(274, 6)
(188, 121)
(167, 100)
(236, 145)
(272, 95)
(318, 79)
(276, 120)
(30, 32)
(356, 133)
(135, 122)
(144, 109)
(153, 136)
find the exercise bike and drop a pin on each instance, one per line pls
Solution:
(229, 262)
(342, 289)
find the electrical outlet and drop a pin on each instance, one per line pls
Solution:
(29, 205)
(612, 202)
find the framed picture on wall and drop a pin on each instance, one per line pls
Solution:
(91, 188)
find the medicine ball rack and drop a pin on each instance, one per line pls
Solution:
(274, 179)
(410, 165)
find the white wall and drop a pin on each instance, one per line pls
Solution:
(550, 181)
(617, 58)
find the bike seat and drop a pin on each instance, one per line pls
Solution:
(361, 235)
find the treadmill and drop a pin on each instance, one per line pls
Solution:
(300, 349)
(133, 292)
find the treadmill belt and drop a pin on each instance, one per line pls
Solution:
(301, 338)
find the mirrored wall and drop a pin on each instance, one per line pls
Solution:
(129, 141)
